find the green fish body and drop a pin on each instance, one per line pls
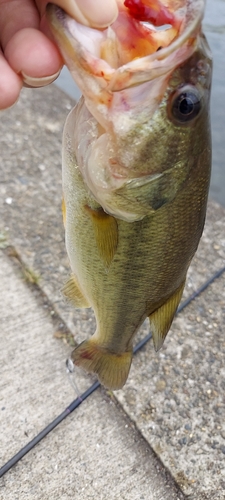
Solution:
(136, 171)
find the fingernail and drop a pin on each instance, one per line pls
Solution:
(97, 13)
(30, 81)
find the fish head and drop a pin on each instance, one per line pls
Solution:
(143, 119)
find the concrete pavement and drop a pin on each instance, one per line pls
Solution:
(96, 452)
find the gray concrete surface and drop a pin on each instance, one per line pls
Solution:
(95, 452)
(174, 398)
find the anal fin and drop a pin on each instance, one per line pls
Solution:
(106, 234)
(111, 368)
(72, 292)
(161, 319)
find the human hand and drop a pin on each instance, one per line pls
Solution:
(29, 56)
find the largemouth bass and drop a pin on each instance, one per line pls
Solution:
(136, 170)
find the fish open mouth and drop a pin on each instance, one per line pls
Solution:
(136, 33)
(123, 73)
(147, 37)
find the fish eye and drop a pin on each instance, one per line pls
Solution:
(185, 104)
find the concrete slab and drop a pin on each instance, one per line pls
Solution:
(154, 396)
(96, 452)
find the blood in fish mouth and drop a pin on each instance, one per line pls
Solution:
(134, 34)
(154, 12)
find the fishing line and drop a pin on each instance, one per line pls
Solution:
(200, 290)
(77, 402)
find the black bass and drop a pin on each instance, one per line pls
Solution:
(136, 170)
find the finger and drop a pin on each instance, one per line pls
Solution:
(31, 54)
(10, 84)
(16, 15)
(95, 13)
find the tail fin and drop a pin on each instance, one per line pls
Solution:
(112, 369)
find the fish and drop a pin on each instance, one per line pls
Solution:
(136, 171)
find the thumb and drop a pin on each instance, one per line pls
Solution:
(94, 13)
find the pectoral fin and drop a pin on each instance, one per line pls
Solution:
(161, 319)
(106, 234)
(72, 292)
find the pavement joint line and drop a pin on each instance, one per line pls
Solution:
(77, 402)
(13, 255)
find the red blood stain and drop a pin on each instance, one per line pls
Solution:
(86, 355)
(147, 10)
(136, 39)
